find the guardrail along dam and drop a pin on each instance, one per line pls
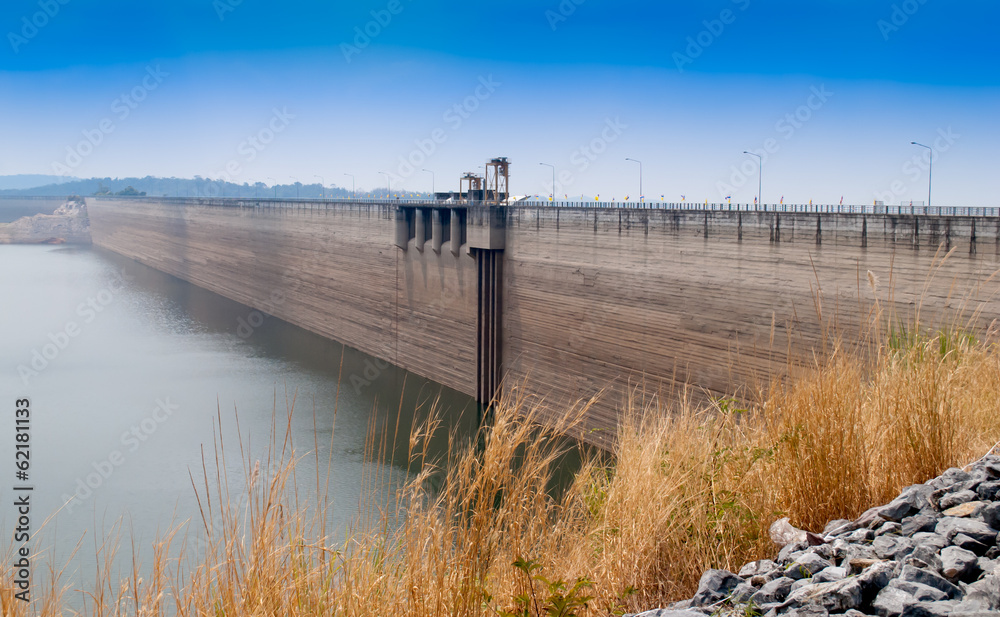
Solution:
(569, 301)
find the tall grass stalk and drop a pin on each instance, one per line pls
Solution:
(686, 488)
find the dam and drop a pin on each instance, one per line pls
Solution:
(572, 301)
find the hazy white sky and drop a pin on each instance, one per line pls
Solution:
(831, 94)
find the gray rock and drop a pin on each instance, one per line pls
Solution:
(926, 577)
(854, 613)
(837, 596)
(892, 547)
(982, 595)
(956, 499)
(760, 567)
(875, 578)
(951, 478)
(859, 551)
(830, 575)
(970, 544)
(891, 602)
(931, 539)
(897, 510)
(929, 609)
(920, 592)
(839, 526)
(991, 515)
(714, 586)
(979, 531)
(958, 563)
(799, 584)
(860, 535)
(663, 612)
(806, 565)
(925, 556)
(889, 527)
(989, 491)
(808, 611)
(790, 551)
(774, 591)
(742, 592)
(988, 566)
(918, 523)
(839, 548)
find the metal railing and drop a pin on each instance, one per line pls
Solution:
(974, 211)
(979, 211)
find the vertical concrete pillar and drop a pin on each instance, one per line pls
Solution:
(421, 232)
(402, 229)
(437, 230)
(456, 232)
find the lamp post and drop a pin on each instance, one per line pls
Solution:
(352, 185)
(760, 177)
(274, 183)
(388, 184)
(432, 183)
(553, 180)
(930, 169)
(323, 180)
(640, 176)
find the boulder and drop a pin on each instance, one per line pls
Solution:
(958, 563)
(715, 586)
(774, 591)
(806, 565)
(979, 531)
(918, 523)
(931, 579)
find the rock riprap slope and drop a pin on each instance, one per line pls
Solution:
(931, 551)
(68, 224)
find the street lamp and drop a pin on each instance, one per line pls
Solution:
(640, 176)
(323, 180)
(553, 180)
(296, 186)
(930, 169)
(352, 185)
(760, 177)
(388, 184)
(432, 183)
(274, 183)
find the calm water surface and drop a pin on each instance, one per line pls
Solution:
(129, 370)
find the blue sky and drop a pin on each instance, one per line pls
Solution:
(829, 93)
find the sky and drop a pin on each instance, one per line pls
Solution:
(829, 94)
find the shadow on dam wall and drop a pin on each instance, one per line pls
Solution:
(565, 303)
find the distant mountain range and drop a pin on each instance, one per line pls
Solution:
(28, 181)
(171, 187)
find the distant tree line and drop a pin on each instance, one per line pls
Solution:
(197, 187)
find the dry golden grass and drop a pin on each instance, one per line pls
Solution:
(684, 490)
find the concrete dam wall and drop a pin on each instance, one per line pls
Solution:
(564, 302)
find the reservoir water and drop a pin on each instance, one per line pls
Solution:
(129, 372)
